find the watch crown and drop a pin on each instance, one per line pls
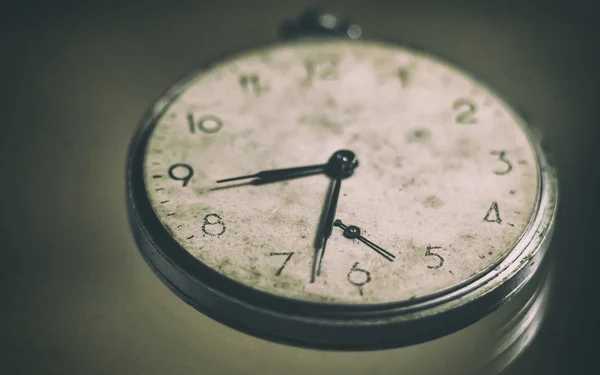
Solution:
(318, 22)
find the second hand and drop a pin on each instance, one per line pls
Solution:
(353, 232)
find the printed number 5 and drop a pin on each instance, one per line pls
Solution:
(429, 253)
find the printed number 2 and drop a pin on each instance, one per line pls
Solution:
(467, 111)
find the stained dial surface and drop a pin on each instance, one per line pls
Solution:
(447, 180)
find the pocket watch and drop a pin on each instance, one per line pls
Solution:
(336, 192)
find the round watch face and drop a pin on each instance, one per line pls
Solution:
(445, 185)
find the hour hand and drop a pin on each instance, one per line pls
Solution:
(332, 168)
(353, 232)
(273, 175)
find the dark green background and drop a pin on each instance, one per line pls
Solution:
(76, 77)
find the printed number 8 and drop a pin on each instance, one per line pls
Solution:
(213, 225)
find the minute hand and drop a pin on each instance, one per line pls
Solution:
(327, 228)
(341, 165)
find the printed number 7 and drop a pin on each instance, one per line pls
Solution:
(287, 259)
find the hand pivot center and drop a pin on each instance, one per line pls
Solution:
(341, 164)
(353, 232)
